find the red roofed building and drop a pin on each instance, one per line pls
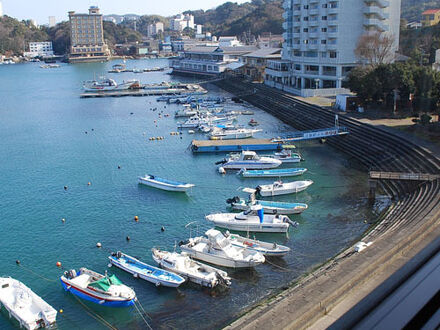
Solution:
(431, 17)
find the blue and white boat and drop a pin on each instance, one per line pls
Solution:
(100, 289)
(164, 184)
(287, 156)
(269, 207)
(144, 271)
(276, 173)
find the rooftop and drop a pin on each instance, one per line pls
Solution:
(265, 53)
(430, 11)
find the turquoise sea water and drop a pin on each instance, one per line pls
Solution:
(44, 147)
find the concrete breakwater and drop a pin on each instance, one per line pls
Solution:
(407, 226)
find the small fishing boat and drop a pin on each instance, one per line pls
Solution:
(190, 269)
(100, 289)
(283, 188)
(276, 173)
(164, 184)
(194, 122)
(265, 248)
(145, 271)
(29, 309)
(253, 122)
(247, 112)
(229, 134)
(185, 112)
(252, 220)
(270, 207)
(216, 249)
(287, 156)
(248, 159)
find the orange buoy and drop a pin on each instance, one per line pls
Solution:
(61, 311)
(136, 218)
(89, 183)
(58, 264)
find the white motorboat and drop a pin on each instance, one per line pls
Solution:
(194, 122)
(164, 184)
(194, 271)
(30, 310)
(107, 84)
(100, 289)
(185, 112)
(252, 220)
(248, 160)
(227, 134)
(266, 248)
(270, 207)
(216, 249)
(283, 188)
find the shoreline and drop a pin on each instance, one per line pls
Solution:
(408, 225)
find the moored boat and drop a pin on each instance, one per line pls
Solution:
(228, 134)
(248, 160)
(217, 250)
(107, 84)
(100, 289)
(283, 188)
(275, 173)
(253, 122)
(270, 207)
(266, 248)
(251, 220)
(190, 269)
(164, 184)
(29, 309)
(287, 156)
(145, 271)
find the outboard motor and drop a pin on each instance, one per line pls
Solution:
(223, 161)
(232, 200)
(70, 274)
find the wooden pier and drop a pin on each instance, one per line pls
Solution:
(403, 176)
(236, 145)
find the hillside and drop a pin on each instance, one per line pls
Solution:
(231, 18)
(412, 9)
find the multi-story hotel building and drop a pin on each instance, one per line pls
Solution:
(42, 49)
(321, 37)
(87, 37)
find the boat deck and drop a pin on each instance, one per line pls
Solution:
(234, 145)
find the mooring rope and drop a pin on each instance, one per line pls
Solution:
(143, 318)
(95, 315)
(36, 274)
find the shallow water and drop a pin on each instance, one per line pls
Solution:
(44, 147)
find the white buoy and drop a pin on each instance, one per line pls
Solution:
(98, 245)
(221, 170)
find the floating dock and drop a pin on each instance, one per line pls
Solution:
(314, 134)
(235, 145)
(149, 90)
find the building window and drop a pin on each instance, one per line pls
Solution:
(324, 5)
(306, 6)
(306, 18)
(305, 30)
(323, 42)
(324, 18)
(333, 54)
(323, 29)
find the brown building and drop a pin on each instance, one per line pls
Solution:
(255, 63)
(87, 37)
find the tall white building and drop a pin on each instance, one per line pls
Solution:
(155, 28)
(320, 39)
(181, 21)
(52, 21)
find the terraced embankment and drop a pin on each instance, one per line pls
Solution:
(410, 223)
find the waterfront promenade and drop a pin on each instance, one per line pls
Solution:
(410, 223)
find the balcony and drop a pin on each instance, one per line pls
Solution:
(376, 24)
(297, 13)
(374, 10)
(313, 12)
(380, 3)
(332, 10)
(313, 35)
(276, 73)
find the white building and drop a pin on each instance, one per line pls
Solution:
(180, 22)
(209, 60)
(52, 21)
(40, 49)
(199, 29)
(228, 42)
(320, 39)
(155, 28)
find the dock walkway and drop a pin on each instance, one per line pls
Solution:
(235, 145)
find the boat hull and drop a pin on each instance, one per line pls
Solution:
(151, 279)
(253, 227)
(269, 190)
(94, 297)
(273, 173)
(167, 187)
(218, 260)
(242, 206)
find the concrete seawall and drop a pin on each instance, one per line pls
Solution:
(410, 223)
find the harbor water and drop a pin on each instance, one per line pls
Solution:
(51, 138)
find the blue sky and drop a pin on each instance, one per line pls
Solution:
(40, 10)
